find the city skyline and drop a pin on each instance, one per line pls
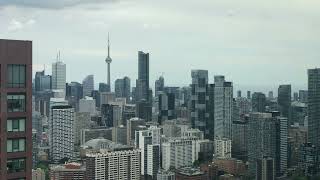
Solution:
(269, 38)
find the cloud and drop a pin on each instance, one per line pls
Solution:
(50, 4)
(15, 25)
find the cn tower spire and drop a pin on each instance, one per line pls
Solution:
(108, 61)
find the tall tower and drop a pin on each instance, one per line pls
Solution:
(108, 61)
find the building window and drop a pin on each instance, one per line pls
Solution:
(16, 165)
(16, 77)
(16, 125)
(16, 145)
(16, 103)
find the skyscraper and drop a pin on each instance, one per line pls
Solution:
(123, 88)
(142, 84)
(223, 107)
(16, 109)
(199, 98)
(258, 102)
(166, 106)
(159, 86)
(88, 85)
(284, 99)
(314, 107)
(59, 75)
(108, 61)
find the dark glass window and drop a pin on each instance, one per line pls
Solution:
(16, 145)
(16, 76)
(16, 125)
(16, 102)
(16, 165)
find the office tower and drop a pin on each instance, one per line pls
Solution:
(261, 138)
(199, 98)
(87, 104)
(68, 171)
(133, 124)
(258, 102)
(119, 134)
(75, 90)
(61, 130)
(82, 121)
(129, 111)
(16, 109)
(37, 80)
(103, 87)
(111, 115)
(313, 107)
(142, 83)
(244, 106)
(88, 85)
(265, 169)
(298, 113)
(223, 105)
(248, 94)
(159, 86)
(42, 81)
(210, 109)
(270, 95)
(303, 96)
(59, 75)
(144, 110)
(106, 98)
(166, 107)
(238, 94)
(122, 88)
(222, 148)
(296, 96)
(240, 140)
(108, 61)
(116, 162)
(148, 141)
(284, 99)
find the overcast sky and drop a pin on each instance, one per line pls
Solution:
(251, 42)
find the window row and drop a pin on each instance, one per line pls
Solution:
(16, 165)
(16, 145)
(16, 125)
(16, 76)
(16, 102)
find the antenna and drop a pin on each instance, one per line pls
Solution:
(59, 56)
(108, 45)
(44, 68)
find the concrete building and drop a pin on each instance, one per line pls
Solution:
(313, 107)
(265, 169)
(82, 121)
(189, 173)
(231, 166)
(298, 113)
(223, 107)
(59, 75)
(114, 163)
(38, 174)
(240, 140)
(166, 175)
(68, 171)
(297, 135)
(222, 148)
(199, 100)
(123, 88)
(88, 85)
(16, 109)
(303, 96)
(119, 134)
(61, 130)
(106, 98)
(134, 124)
(108, 61)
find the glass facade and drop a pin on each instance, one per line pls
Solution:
(16, 76)
(16, 102)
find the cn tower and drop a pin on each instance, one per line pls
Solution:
(108, 61)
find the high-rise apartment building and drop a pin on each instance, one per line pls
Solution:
(88, 85)
(314, 107)
(223, 107)
(199, 100)
(16, 109)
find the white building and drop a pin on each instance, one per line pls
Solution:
(119, 164)
(222, 148)
(87, 104)
(61, 130)
(88, 85)
(59, 76)
(148, 141)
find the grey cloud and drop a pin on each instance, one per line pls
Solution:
(50, 4)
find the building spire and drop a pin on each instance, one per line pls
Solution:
(108, 45)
